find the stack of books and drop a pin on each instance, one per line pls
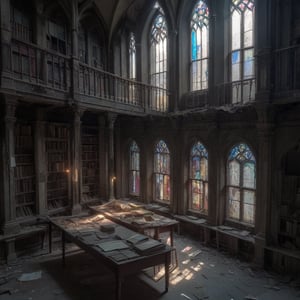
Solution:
(148, 247)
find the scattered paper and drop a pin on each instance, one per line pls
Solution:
(30, 276)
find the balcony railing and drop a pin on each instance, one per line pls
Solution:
(48, 69)
(100, 84)
(287, 71)
(237, 92)
(39, 66)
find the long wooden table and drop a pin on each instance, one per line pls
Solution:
(88, 233)
(137, 218)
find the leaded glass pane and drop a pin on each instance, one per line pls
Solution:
(195, 167)
(132, 57)
(204, 168)
(199, 46)
(235, 68)
(166, 187)
(233, 203)
(249, 197)
(249, 175)
(205, 205)
(236, 30)
(248, 63)
(197, 194)
(234, 173)
(248, 213)
(248, 28)
(134, 173)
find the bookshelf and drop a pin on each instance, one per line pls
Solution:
(90, 163)
(57, 153)
(24, 171)
(289, 229)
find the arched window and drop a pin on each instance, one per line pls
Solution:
(132, 57)
(242, 50)
(199, 46)
(199, 178)
(241, 184)
(134, 169)
(162, 172)
(158, 61)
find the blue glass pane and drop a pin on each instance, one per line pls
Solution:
(235, 57)
(194, 46)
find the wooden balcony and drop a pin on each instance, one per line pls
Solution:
(54, 77)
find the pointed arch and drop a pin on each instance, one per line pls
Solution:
(241, 184)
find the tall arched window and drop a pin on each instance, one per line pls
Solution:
(241, 184)
(199, 46)
(199, 178)
(132, 69)
(134, 169)
(242, 50)
(162, 172)
(158, 61)
(132, 57)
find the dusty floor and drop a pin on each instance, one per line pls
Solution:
(208, 275)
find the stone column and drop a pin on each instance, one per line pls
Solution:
(40, 163)
(76, 160)
(111, 154)
(264, 12)
(9, 223)
(263, 183)
(74, 54)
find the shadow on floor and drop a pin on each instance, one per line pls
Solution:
(84, 278)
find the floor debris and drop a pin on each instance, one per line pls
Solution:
(30, 276)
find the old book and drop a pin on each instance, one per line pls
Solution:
(136, 238)
(112, 245)
(148, 247)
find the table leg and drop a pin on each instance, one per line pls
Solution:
(63, 239)
(171, 237)
(167, 264)
(50, 237)
(118, 286)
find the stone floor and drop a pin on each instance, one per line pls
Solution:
(203, 273)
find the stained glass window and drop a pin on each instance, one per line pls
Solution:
(134, 169)
(241, 184)
(199, 46)
(158, 61)
(162, 172)
(199, 178)
(242, 50)
(132, 57)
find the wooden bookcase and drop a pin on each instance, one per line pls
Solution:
(24, 171)
(57, 153)
(90, 163)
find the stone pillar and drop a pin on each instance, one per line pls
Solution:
(264, 12)
(173, 71)
(40, 163)
(76, 161)
(111, 154)
(263, 182)
(9, 224)
(75, 60)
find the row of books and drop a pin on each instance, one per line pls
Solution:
(89, 148)
(25, 211)
(89, 140)
(57, 166)
(24, 159)
(57, 131)
(24, 171)
(57, 156)
(54, 204)
(89, 156)
(23, 130)
(56, 145)
(25, 199)
(25, 185)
